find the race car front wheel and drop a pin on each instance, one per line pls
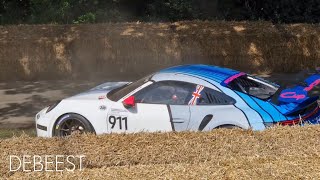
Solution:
(69, 124)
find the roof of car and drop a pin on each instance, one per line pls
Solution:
(215, 73)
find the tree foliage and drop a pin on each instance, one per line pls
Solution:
(93, 11)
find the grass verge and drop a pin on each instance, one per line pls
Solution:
(9, 133)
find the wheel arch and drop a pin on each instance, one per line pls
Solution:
(221, 122)
(57, 120)
(228, 126)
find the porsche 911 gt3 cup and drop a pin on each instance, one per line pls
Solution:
(182, 98)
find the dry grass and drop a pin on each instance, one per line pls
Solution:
(283, 152)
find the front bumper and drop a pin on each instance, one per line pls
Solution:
(43, 124)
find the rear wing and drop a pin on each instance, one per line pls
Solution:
(302, 92)
(299, 98)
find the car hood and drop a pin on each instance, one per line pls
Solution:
(99, 92)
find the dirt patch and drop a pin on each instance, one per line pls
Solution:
(22, 100)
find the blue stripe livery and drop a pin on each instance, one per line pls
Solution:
(258, 111)
(214, 73)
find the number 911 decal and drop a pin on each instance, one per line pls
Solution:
(116, 122)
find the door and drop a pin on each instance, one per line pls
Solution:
(161, 106)
(180, 115)
(141, 118)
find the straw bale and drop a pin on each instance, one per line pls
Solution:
(281, 152)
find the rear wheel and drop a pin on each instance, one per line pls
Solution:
(228, 126)
(72, 124)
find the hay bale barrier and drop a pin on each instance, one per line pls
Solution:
(42, 52)
(281, 152)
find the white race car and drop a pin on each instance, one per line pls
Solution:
(190, 97)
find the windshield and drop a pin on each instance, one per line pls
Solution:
(122, 91)
(253, 86)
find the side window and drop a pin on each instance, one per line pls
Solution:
(213, 97)
(254, 87)
(166, 92)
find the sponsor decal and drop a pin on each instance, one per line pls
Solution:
(60, 121)
(102, 107)
(312, 85)
(292, 95)
(102, 97)
(196, 95)
(118, 110)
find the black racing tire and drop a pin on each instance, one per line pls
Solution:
(228, 126)
(71, 124)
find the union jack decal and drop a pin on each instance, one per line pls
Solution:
(196, 95)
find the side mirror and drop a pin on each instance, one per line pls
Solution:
(129, 102)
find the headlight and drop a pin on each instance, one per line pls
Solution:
(53, 106)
